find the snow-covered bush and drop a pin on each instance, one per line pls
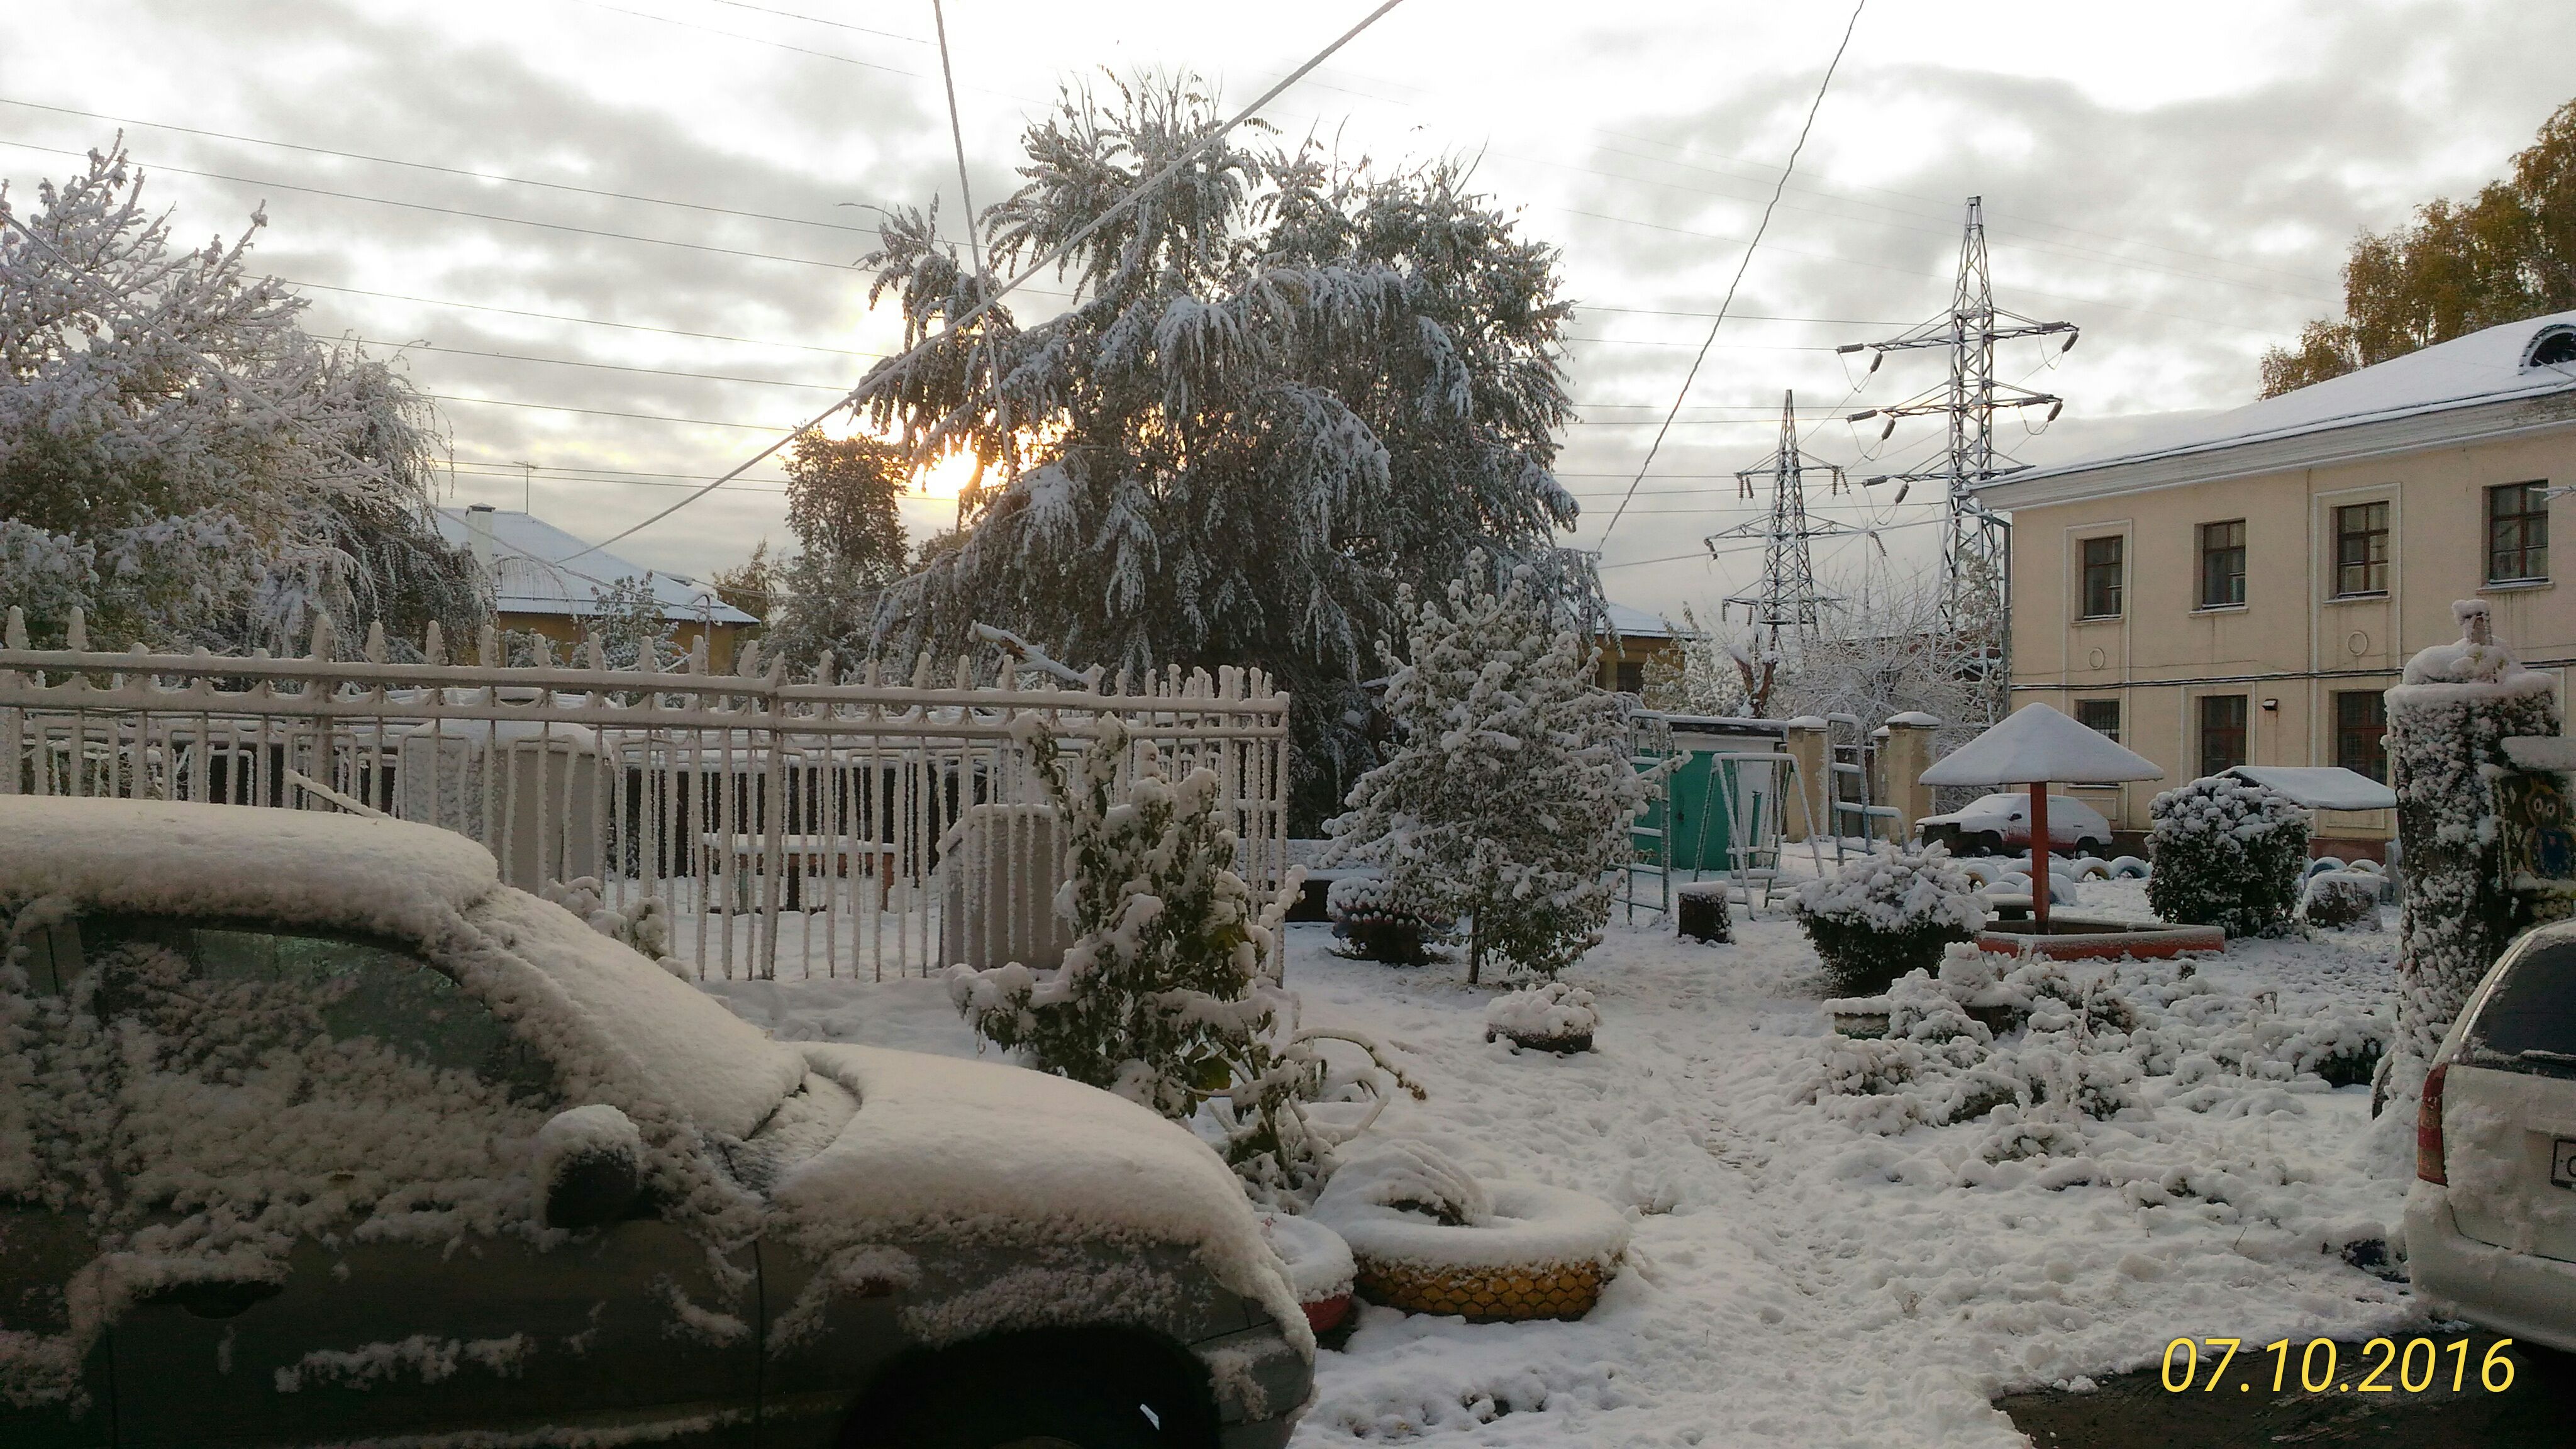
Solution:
(1890, 912)
(643, 923)
(1511, 799)
(2228, 854)
(1380, 921)
(1169, 994)
(1553, 1017)
(2334, 900)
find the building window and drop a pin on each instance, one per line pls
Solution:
(2222, 732)
(2517, 533)
(2102, 716)
(2361, 549)
(2361, 732)
(2222, 564)
(2102, 578)
(1632, 678)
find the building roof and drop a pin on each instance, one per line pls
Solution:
(527, 579)
(2036, 745)
(1630, 623)
(2320, 787)
(2486, 385)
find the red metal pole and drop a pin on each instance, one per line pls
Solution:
(2039, 854)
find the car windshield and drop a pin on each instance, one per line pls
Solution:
(2530, 1016)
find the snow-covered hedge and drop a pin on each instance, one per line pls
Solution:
(2227, 854)
(2334, 900)
(1380, 920)
(1888, 913)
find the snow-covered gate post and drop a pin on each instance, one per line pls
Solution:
(2448, 721)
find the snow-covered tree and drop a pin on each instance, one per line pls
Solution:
(850, 545)
(179, 459)
(1701, 674)
(1284, 385)
(1169, 995)
(2228, 854)
(1510, 801)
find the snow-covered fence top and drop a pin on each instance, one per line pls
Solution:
(740, 824)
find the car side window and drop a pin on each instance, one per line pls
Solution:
(323, 1077)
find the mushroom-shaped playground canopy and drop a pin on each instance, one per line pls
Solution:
(2038, 745)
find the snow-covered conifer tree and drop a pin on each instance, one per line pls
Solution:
(1511, 798)
(1169, 995)
(182, 461)
(1284, 384)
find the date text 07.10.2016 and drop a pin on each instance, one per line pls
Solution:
(2413, 1369)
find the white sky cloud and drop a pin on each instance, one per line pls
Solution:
(2182, 187)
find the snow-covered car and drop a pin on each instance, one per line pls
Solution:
(2491, 1219)
(312, 1132)
(1991, 824)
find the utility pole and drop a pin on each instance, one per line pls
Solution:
(1785, 607)
(1976, 553)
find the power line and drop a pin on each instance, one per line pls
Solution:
(435, 168)
(426, 346)
(1063, 249)
(819, 20)
(1741, 265)
(583, 321)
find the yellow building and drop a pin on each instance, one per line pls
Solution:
(2240, 589)
(1634, 636)
(545, 581)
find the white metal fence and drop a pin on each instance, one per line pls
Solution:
(863, 827)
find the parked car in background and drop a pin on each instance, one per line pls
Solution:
(312, 1132)
(2491, 1219)
(1992, 824)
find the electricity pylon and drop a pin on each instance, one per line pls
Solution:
(1976, 563)
(1786, 601)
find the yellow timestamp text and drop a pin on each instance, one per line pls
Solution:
(2417, 1366)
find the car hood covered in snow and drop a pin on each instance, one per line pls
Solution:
(943, 1145)
(158, 857)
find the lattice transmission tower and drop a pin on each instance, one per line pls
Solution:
(1976, 563)
(1785, 607)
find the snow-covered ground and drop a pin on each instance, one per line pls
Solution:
(1796, 1277)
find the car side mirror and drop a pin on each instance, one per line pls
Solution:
(589, 1167)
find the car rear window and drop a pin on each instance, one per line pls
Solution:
(2531, 1013)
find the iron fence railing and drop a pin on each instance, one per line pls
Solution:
(762, 826)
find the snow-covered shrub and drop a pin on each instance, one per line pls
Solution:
(1890, 912)
(2228, 854)
(1553, 1017)
(1511, 800)
(1164, 997)
(643, 923)
(1380, 921)
(2334, 900)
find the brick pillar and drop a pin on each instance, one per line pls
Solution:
(1806, 811)
(1905, 755)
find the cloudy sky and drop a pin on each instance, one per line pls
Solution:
(615, 239)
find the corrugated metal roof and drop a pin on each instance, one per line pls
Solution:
(529, 580)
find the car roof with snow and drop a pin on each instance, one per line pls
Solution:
(312, 868)
(407, 881)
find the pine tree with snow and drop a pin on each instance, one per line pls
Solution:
(1284, 384)
(1511, 799)
(182, 462)
(1169, 995)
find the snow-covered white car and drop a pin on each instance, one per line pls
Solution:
(2491, 1219)
(312, 1132)
(1991, 824)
